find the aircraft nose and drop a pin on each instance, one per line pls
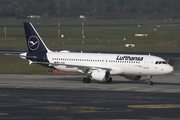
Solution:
(169, 69)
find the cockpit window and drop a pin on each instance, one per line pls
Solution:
(164, 62)
(160, 62)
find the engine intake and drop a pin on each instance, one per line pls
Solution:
(100, 75)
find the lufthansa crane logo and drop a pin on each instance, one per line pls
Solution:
(33, 43)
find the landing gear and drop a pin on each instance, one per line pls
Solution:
(110, 80)
(86, 80)
(150, 81)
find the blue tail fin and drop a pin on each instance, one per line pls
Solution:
(34, 41)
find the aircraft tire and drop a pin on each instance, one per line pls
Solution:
(151, 83)
(86, 80)
(110, 80)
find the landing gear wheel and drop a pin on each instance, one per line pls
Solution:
(151, 83)
(110, 80)
(86, 80)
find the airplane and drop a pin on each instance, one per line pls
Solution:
(97, 66)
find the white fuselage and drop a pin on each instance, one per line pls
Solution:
(117, 64)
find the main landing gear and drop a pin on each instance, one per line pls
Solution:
(150, 81)
(86, 80)
(110, 80)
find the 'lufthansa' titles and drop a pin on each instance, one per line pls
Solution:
(130, 58)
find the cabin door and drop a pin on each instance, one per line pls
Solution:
(146, 63)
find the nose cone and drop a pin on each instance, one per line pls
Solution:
(169, 69)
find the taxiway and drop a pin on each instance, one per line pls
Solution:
(60, 97)
(164, 84)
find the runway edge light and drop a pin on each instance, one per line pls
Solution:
(130, 45)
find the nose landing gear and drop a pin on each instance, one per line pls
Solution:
(150, 81)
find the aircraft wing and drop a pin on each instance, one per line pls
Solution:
(82, 67)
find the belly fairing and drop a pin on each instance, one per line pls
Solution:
(68, 69)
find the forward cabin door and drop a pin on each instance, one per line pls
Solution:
(146, 62)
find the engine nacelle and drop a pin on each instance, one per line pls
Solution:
(132, 77)
(100, 75)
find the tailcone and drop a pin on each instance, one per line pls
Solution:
(23, 55)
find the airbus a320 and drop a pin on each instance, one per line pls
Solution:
(96, 66)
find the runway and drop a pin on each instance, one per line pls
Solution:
(163, 84)
(57, 97)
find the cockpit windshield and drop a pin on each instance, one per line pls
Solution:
(160, 62)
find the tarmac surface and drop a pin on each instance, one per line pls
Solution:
(63, 97)
(164, 84)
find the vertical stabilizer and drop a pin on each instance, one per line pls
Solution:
(34, 41)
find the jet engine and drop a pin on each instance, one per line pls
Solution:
(100, 75)
(132, 77)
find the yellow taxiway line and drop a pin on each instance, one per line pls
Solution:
(155, 106)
